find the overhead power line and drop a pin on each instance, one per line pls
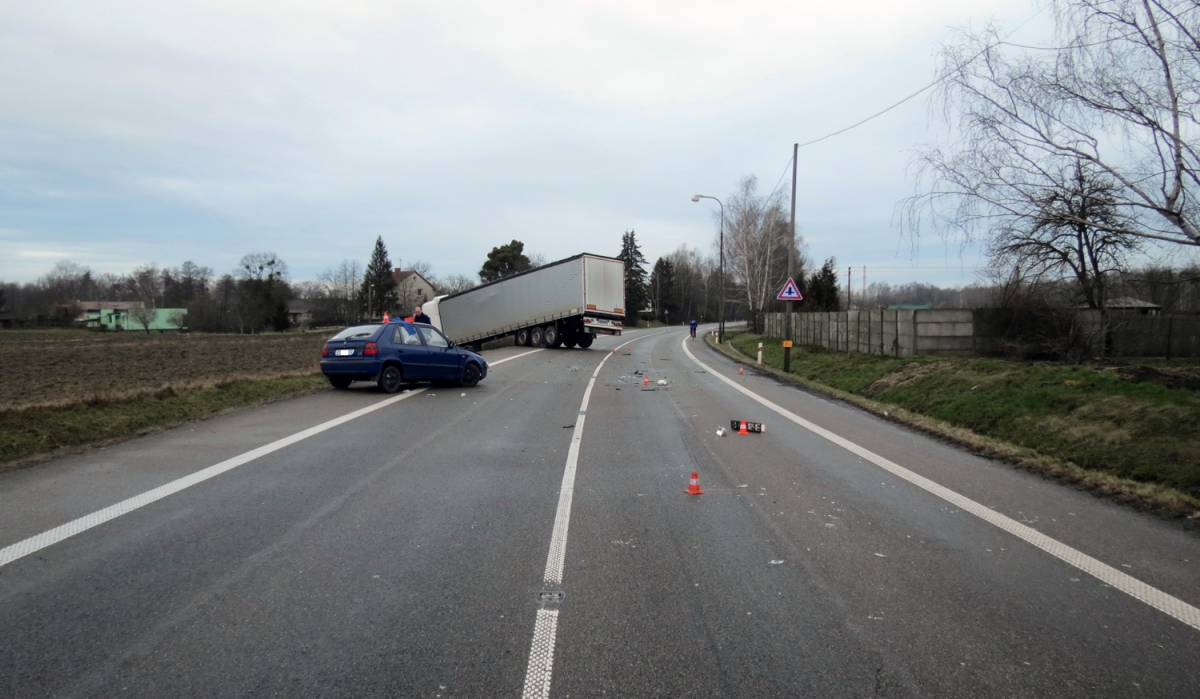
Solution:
(930, 85)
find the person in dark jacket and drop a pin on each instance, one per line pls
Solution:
(419, 317)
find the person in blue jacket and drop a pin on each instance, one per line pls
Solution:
(692, 324)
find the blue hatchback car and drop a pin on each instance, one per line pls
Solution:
(396, 353)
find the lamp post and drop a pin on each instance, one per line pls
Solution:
(721, 310)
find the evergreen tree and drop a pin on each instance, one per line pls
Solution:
(635, 275)
(378, 291)
(662, 290)
(505, 260)
(822, 292)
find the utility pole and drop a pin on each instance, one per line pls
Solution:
(849, 296)
(787, 305)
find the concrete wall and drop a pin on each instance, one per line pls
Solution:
(970, 332)
(892, 332)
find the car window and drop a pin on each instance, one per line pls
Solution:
(404, 336)
(357, 332)
(433, 338)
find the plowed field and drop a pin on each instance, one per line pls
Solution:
(61, 368)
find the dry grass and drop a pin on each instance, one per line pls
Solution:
(1111, 417)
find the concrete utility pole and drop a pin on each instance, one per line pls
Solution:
(787, 305)
(849, 297)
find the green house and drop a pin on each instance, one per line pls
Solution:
(124, 319)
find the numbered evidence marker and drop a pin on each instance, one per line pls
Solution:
(790, 292)
(787, 343)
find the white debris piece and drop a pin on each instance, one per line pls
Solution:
(881, 555)
(720, 431)
(662, 382)
(776, 562)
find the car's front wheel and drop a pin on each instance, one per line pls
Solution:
(390, 379)
(470, 375)
(339, 382)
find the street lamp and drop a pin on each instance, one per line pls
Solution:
(721, 311)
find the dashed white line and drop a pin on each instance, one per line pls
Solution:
(541, 652)
(1169, 605)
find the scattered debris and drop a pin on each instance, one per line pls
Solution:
(574, 368)
(567, 427)
(880, 555)
(776, 562)
(720, 431)
(662, 382)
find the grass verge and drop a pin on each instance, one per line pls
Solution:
(26, 434)
(1100, 427)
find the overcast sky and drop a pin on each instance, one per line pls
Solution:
(136, 132)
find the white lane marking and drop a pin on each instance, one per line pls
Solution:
(541, 652)
(515, 356)
(53, 536)
(541, 655)
(57, 534)
(1169, 605)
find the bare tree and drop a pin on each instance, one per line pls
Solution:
(341, 286)
(454, 283)
(1120, 94)
(1071, 228)
(757, 235)
(262, 266)
(143, 316)
(177, 319)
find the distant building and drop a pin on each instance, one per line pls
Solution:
(412, 288)
(300, 312)
(164, 319)
(1127, 305)
(90, 311)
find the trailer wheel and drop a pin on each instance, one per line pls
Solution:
(536, 337)
(551, 337)
(521, 339)
(571, 341)
(585, 340)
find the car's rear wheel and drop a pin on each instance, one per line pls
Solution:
(339, 382)
(585, 340)
(537, 337)
(551, 336)
(470, 375)
(521, 339)
(390, 379)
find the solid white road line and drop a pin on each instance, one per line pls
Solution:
(541, 652)
(53, 536)
(1172, 606)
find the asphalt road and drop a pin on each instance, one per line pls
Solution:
(407, 552)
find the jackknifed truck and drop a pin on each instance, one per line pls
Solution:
(562, 304)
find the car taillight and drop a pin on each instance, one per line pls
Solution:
(370, 350)
(325, 351)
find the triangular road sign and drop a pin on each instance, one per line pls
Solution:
(790, 292)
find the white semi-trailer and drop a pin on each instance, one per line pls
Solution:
(562, 304)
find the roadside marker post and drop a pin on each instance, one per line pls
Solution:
(760, 354)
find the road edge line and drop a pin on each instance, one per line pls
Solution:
(1152, 596)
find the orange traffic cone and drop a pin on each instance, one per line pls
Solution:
(742, 429)
(385, 317)
(646, 380)
(694, 485)
(741, 370)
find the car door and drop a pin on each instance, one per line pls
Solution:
(445, 362)
(412, 353)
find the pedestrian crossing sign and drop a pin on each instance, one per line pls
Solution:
(790, 292)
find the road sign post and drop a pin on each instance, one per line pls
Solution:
(789, 292)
